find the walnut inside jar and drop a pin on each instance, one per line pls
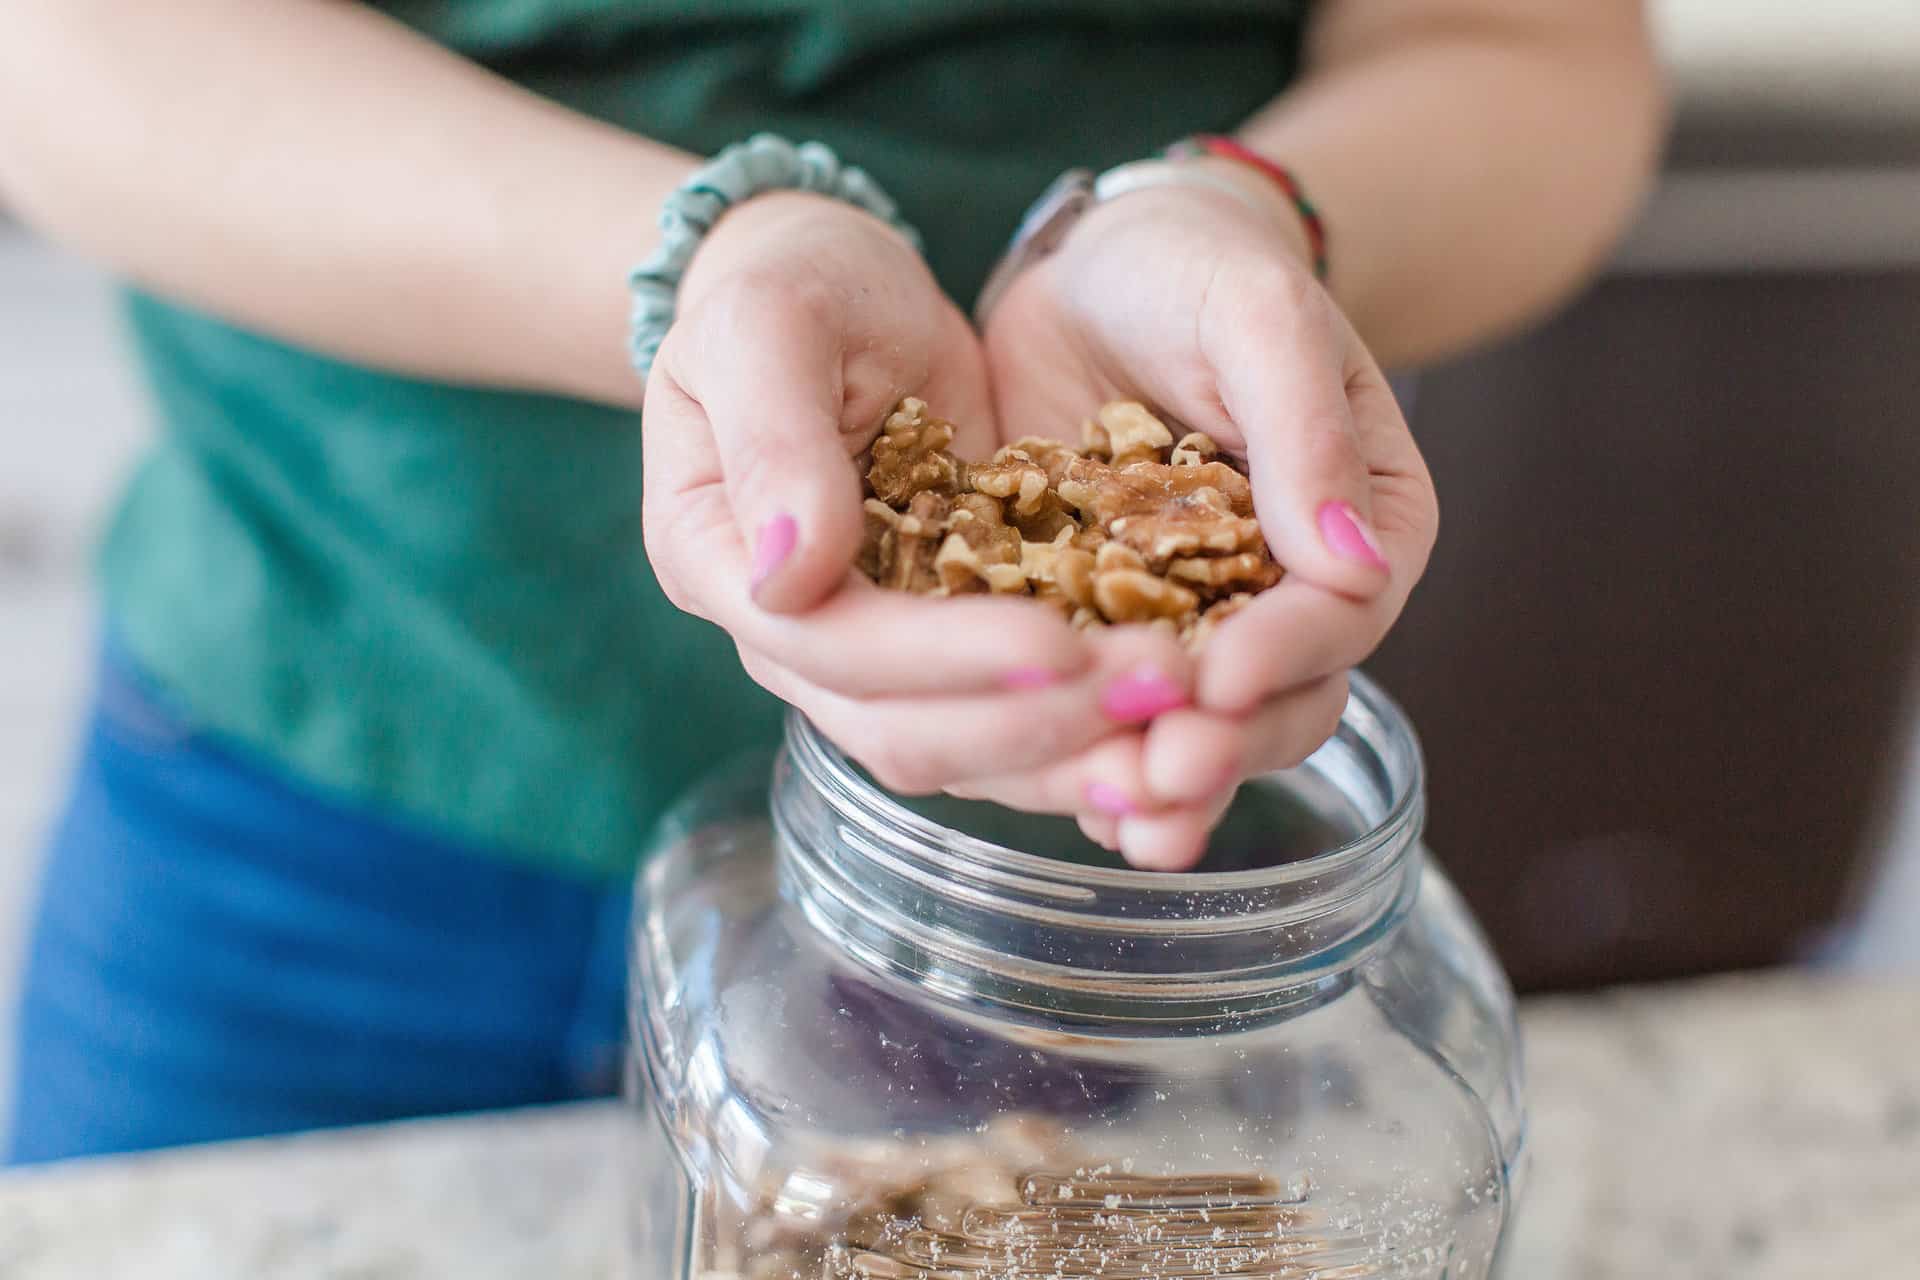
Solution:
(1137, 525)
(983, 1216)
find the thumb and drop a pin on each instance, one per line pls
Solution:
(1286, 375)
(770, 381)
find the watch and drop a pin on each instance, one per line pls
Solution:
(1068, 198)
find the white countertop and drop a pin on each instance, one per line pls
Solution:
(1760, 1128)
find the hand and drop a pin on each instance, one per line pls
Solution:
(802, 321)
(1200, 303)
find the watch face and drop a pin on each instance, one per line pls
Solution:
(1055, 212)
(1040, 232)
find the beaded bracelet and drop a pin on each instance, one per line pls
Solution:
(764, 162)
(1213, 144)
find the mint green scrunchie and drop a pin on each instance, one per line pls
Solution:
(765, 162)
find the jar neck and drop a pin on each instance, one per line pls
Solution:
(980, 922)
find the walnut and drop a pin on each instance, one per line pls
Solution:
(1133, 434)
(1101, 495)
(1201, 629)
(1241, 571)
(1124, 432)
(1106, 495)
(879, 519)
(1061, 1217)
(980, 507)
(1060, 565)
(1048, 594)
(981, 552)
(910, 456)
(906, 552)
(1094, 442)
(1193, 449)
(1090, 537)
(1073, 574)
(1016, 478)
(1052, 455)
(1134, 595)
(1184, 527)
(1052, 519)
(961, 570)
(1024, 481)
(1187, 480)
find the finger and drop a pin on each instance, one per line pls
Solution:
(1102, 830)
(1191, 755)
(1141, 675)
(1144, 673)
(1287, 730)
(683, 499)
(1290, 635)
(1406, 515)
(1172, 839)
(865, 642)
(918, 745)
(1282, 356)
(1104, 781)
(765, 365)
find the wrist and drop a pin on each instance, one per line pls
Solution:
(1277, 177)
(761, 222)
(1230, 186)
(1246, 191)
(1256, 187)
(763, 165)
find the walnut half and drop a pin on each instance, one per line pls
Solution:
(910, 456)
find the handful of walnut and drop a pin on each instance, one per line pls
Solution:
(1130, 527)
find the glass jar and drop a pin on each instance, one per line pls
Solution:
(876, 1037)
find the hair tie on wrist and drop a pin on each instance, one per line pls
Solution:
(1213, 144)
(764, 162)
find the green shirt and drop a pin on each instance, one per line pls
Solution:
(433, 599)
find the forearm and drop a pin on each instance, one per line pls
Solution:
(316, 171)
(1473, 159)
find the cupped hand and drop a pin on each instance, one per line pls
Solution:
(801, 322)
(1198, 300)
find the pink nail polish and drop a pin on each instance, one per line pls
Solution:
(1110, 800)
(1029, 678)
(1347, 535)
(775, 542)
(1141, 694)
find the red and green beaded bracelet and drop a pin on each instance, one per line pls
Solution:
(1213, 144)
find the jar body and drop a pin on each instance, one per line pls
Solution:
(809, 1104)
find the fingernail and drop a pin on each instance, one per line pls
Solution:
(1141, 694)
(1347, 535)
(1106, 798)
(775, 542)
(1029, 678)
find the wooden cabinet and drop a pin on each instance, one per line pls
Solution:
(1660, 659)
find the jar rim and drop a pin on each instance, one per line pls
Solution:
(1395, 737)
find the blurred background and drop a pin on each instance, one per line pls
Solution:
(1667, 660)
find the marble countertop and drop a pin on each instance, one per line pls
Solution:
(1750, 1128)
